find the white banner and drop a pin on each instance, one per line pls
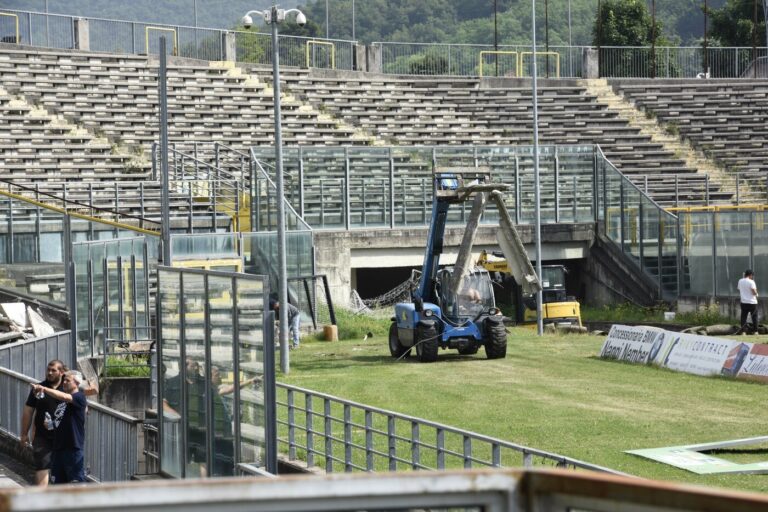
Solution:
(633, 344)
(690, 353)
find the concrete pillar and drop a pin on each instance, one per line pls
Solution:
(229, 44)
(360, 63)
(590, 63)
(82, 36)
(373, 59)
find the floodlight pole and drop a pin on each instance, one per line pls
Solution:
(496, 35)
(165, 225)
(273, 16)
(281, 258)
(536, 184)
(706, 39)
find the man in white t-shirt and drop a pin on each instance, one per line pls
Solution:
(748, 293)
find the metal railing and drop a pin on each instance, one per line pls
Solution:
(643, 230)
(30, 357)
(400, 58)
(675, 62)
(111, 448)
(133, 37)
(489, 491)
(339, 435)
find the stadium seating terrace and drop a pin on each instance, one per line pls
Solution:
(83, 117)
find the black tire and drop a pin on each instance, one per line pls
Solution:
(496, 342)
(469, 350)
(395, 347)
(426, 344)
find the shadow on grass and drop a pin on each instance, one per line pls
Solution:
(332, 362)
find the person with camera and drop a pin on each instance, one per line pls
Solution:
(68, 424)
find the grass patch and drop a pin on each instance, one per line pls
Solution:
(632, 313)
(552, 393)
(129, 366)
(356, 327)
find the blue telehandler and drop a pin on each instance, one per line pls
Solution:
(454, 307)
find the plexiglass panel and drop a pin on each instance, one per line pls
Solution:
(172, 442)
(212, 349)
(732, 233)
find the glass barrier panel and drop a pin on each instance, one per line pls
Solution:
(631, 220)
(651, 238)
(204, 246)
(759, 222)
(169, 323)
(697, 253)
(612, 204)
(251, 313)
(194, 297)
(732, 239)
(221, 381)
(670, 270)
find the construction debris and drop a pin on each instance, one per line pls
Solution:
(19, 321)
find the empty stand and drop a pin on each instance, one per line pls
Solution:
(726, 119)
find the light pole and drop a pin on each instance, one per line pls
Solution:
(536, 182)
(273, 16)
(496, 35)
(353, 20)
(570, 41)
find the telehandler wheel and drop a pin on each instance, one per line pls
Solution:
(426, 344)
(496, 342)
(395, 348)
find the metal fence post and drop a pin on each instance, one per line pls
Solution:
(347, 438)
(310, 430)
(328, 435)
(391, 443)
(369, 440)
(415, 445)
(467, 452)
(291, 426)
(440, 448)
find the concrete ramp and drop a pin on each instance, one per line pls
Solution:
(513, 249)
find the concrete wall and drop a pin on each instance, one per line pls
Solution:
(727, 306)
(339, 253)
(610, 278)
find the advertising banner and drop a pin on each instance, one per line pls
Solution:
(755, 363)
(690, 353)
(634, 344)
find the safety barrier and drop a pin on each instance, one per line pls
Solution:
(30, 357)
(111, 448)
(491, 491)
(340, 435)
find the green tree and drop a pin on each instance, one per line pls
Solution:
(733, 24)
(626, 23)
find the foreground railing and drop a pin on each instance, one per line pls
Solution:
(30, 357)
(111, 448)
(490, 491)
(340, 435)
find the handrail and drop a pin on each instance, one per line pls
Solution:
(417, 440)
(80, 216)
(66, 211)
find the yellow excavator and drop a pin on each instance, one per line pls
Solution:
(557, 307)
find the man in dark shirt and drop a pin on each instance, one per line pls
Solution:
(42, 438)
(68, 464)
(294, 320)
